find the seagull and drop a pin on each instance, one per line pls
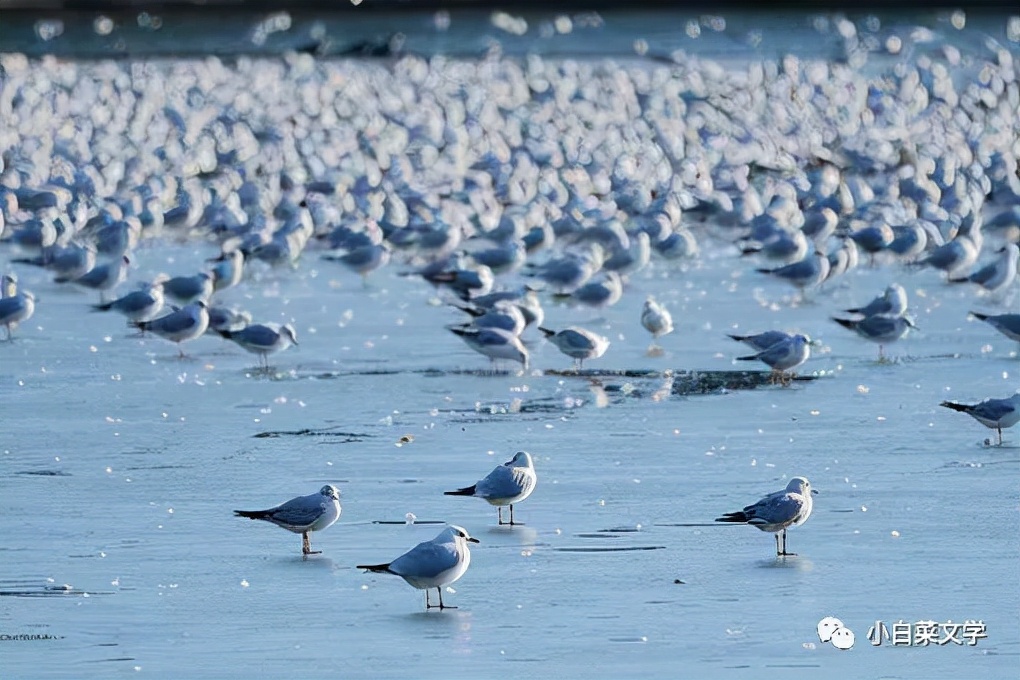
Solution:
(777, 511)
(509, 483)
(1007, 324)
(431, 564)
(656, 319)
(303, 514)
(992, 413)
(893, 302)
(505, 315)
(263, 339)
(879, 328)
(15, 306)
(187, 289)
(227, 319)
(762, 341)
(228, 270)
(138, 305)
(783, 356)
(363, 259)
(494, 343)
(66, 261)
(997, 275)
(603, 293)
(102, 277)
(577, 343)
(810, 271)
(182, 325)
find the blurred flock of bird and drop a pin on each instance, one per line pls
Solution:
(508, 184)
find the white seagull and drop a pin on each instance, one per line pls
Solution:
(432, 564)
(656, 319)
(509, 483)
(992, 413)
(494, 343)
(577, 343)
(263, 339)
(783, 356)
(182, 325)
(777, 511)
(879, 328)
(15, 306)
(303, 514)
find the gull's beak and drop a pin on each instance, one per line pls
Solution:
(471, 539)
(814, 491)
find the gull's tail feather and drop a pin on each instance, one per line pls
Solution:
(845, 323)
(34, 261)
(103, 307)
(738, 338)
(252, 514)
(955, 407)
(749, 357)
(546, 332)
(466, 491)
(854, 310)
(736, 517)
(978, 316)
(765, 271)
(225, 333)
(377, 568)
(473, 311)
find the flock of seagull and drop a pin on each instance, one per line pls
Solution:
(430, 564)
(509, 184)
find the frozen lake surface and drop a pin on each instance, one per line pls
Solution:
(121, 464)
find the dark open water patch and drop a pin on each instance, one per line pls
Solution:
(43, 473)
(348, 437)
(36, 588)
(579, 549)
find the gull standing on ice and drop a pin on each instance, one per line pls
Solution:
(777, 511)
(893, 302)
(15, 306)
(992, 413)
(138, 305)
(494, 343)
(784, 356)
(263, 339)
(303, 514)
(510, 483)
(182, 325)
(762, 341)
(102, 277)
(879, 328)
(577, 343)
(656, 319)
(997, 275)
(431, 564)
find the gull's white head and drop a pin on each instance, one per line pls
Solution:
(520, 459)
(800, 485)
(330, 491)
(454, 532)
